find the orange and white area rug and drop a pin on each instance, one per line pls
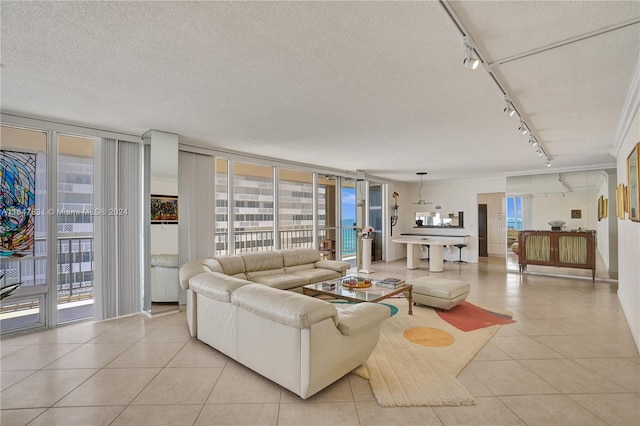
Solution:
(418, 358)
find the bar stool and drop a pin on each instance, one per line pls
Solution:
(460, 247)
(428, 251)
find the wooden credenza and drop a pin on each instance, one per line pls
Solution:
(566, 249)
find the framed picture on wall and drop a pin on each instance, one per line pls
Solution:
(633, 177)
(600, 208)
(164, 209)
(620, 201)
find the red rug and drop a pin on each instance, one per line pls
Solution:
(467, 316)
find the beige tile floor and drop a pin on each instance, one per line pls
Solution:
(568, 360)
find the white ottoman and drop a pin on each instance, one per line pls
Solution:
(438, 292)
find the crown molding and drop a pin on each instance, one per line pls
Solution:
(629, 110)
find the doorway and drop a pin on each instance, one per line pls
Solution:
(482, 230)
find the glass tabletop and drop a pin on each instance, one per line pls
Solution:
(368, 294)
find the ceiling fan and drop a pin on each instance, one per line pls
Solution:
(421, 202)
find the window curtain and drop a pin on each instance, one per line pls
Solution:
(118, 229)
(196, 206)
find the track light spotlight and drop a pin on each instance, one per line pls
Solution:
(508, 109)
(470, 61)
(523, 127)
(547, 163)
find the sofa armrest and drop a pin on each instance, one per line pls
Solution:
(361, 316)
(285, 307)
(334, 265)
(215, 285)
(188, 270)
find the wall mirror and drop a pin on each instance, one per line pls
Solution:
(439, 219)
(162, 288)
(571, 197)
(633, 177)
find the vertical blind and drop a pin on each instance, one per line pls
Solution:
(196, 206)
(119, 212)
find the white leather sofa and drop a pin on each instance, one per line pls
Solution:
(302, 343)
(164, 278)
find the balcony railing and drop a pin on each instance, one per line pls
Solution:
(252, 241)
(74, 269)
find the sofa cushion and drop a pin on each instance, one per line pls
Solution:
(294, 269)
(285, 307)
(213, 264)
(316, 274)
(262, 261)
(232, 265)
(334, 265)
(281, 281)
(299, 256)
(216, 285)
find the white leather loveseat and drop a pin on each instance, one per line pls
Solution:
(302, 343)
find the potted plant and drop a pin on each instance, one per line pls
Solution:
(367, 232)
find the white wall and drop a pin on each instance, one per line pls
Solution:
(629, 243)
(452, 196)
(557, 207)
(612, 222)
(395, 251)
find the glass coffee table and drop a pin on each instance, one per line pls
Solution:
(372, 293)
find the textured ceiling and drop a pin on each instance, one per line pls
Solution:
(373, 86)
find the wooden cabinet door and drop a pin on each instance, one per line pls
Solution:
(496, 235)
(574, 250)
(536, 248)
(496, 203)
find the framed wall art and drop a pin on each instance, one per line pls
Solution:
(620, 201)
(600, 208)
(164, 209)
(633, 177)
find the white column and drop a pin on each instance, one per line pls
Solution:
(366, 255)
(413, 256)
(436, 258)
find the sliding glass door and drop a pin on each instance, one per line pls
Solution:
(376, 219)
(46, 228)
(24, 227)
(74, 216)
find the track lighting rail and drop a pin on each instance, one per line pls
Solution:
(510, 107)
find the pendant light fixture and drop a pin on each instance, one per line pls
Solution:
(421, 201)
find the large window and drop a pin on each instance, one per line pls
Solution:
(26, 258)
(24, 210)
(349, 214)
(295, 208)
(222, 206)
(514, 213)
(375, 219)
(253, 207)
(75, 228)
